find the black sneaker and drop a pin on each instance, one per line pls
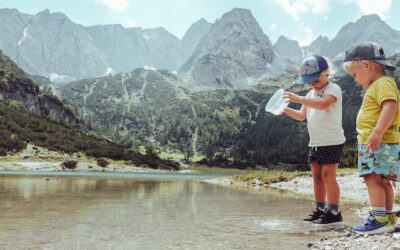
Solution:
(329, 218)
(315, 214)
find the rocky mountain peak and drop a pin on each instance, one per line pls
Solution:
(238, 20)
(197, 29)
(192, 38)
(367, 28)
(238, 14)
(45, 12)
(8, 11)
(202, 21)
(234, 49)
(54, 20)
(369, 18)
(318, 46)
(155, 33)
(288, 49)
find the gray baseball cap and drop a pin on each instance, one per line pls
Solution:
(368, 51)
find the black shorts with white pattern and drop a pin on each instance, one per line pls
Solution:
(325, 154)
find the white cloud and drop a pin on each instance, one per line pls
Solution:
(147, 67)
(115, 5)
(296, 8)
(273, 27)
(307, 37)
(366, 7)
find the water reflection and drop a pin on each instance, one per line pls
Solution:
(90, 213)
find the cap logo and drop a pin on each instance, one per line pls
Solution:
(310, 67)
(381, 53)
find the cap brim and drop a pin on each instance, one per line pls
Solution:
(307, 79)
(387, 64)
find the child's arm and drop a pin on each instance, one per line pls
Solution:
(320, 104)
(299, 115)
(385, 119)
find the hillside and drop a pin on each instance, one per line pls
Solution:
(17, 87)
(153, 106)
(28, 115)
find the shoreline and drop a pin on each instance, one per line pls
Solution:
(352, 189)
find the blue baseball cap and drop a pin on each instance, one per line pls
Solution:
(368, 51)
(311, 68)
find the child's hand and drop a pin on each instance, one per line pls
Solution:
(291, 97)
(374, 140)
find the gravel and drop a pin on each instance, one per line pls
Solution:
(351, 186)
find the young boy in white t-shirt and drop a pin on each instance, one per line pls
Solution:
(322, 107)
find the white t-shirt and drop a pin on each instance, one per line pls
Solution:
(325, 126)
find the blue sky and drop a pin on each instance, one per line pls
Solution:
(301, 20)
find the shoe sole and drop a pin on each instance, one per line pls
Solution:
(328, 224)
(381, 230)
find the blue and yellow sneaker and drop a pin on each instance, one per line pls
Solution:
(393, 220)
(375, 225)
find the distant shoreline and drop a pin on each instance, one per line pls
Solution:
(83, 166)
(148, 175)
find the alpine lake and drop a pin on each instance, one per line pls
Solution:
(86, 210)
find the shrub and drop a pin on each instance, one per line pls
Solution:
(3, 151)
(349, 157)
(102, 163)
(70, 164)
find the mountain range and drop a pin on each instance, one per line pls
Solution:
(232, 52)
(200, 95)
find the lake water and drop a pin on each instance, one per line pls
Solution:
(149, 211)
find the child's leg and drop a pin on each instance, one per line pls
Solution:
(319, 188)
(376, 193)
(331, 185)
(389, 194)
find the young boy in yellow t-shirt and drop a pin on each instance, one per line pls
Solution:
(378, 137)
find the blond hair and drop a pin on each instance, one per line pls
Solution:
(375, 65)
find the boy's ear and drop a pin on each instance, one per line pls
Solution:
(367, 64)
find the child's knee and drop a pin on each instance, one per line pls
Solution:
(375, 179)
(328, 175)
(317, 178)
(386, 182)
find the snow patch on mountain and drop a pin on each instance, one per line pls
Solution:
(56, 78)
(23, 36)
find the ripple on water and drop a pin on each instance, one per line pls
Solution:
(275, 224)
(299, 228)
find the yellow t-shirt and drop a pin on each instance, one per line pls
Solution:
(382, 89)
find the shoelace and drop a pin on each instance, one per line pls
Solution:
(314, 212)
(325, 214)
